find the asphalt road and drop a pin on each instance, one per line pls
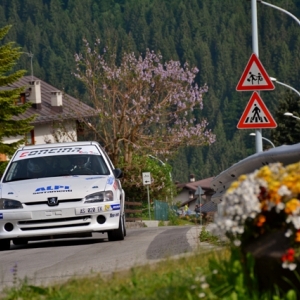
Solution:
(52, 261)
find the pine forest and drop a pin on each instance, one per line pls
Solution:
(213, 35)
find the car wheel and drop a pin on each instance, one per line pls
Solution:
(124, 224)
(117, 234)
(4, 244)
(20, 242)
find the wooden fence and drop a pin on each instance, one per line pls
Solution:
(133, 211)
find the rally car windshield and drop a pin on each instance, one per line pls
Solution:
(53, 166)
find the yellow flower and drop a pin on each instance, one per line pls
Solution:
(233, 186)
(264, 173)
(273, 192)
(292, 205)
(292, 181)
(242, 178)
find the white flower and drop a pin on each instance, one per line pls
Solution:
(201, 295)
(285, 265)
(279, 207)
(292, 267)
(204, 285)
(237, 243)
(284, 191)
(296, 221)
(288, 233)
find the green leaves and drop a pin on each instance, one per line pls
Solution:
(9, 125)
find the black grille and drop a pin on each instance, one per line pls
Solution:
(59, 201)
(45, 221)
(52, 227)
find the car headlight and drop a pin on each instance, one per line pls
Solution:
(10, 204)
(99, 197)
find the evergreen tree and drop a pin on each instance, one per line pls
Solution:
(288, 128)
(10, 126)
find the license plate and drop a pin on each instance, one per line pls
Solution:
(92, 210)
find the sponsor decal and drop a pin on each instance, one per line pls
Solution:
(106, 207)
(1, 215)
(95, 187)
(10, 193)
(43, 152)
(59, 150)
(114, 215)
(115, 206)
(116, 185)
(110, 180)
(52, 189)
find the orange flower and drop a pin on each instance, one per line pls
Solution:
(261, 220)
(297, 238)
(264, 205)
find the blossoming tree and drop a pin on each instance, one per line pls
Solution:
(145, 105)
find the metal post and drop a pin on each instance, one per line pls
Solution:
(258, 136)
(282, 10)
(148, 202)
(200, 211)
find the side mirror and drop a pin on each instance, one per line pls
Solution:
(118, 173)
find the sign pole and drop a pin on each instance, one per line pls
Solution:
(200, 210)
(258, 136)
(148, 202)
(147, 181)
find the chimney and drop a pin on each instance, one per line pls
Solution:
(35, 94)
(192, 178)
(56, 101)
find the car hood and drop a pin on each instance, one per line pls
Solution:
(67, 187)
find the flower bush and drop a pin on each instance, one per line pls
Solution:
(262, 202)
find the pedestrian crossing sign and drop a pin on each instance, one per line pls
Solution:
(256, 115)
(255, 77)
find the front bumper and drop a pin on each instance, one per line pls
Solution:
(42, 220)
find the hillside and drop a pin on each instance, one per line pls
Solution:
(213, 35)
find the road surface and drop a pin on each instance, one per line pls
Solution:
(51, 261)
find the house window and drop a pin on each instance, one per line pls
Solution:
(80, 128)
(21, 100)
(29, 138)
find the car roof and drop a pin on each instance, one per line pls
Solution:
(54, 145)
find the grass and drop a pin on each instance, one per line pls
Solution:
(223, 273)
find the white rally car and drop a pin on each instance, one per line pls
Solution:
(60, 190)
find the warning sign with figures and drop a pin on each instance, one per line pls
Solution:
(255, 77)
(256, 115)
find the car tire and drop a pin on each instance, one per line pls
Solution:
(117, 234)
(20, 242)
(124, 224)
(4, 244)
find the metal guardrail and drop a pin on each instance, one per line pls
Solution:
(286, 154)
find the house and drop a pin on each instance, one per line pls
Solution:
(188, 194)
(57, 114)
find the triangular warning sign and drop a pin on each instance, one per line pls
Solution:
(255, 77)
(256, 115)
